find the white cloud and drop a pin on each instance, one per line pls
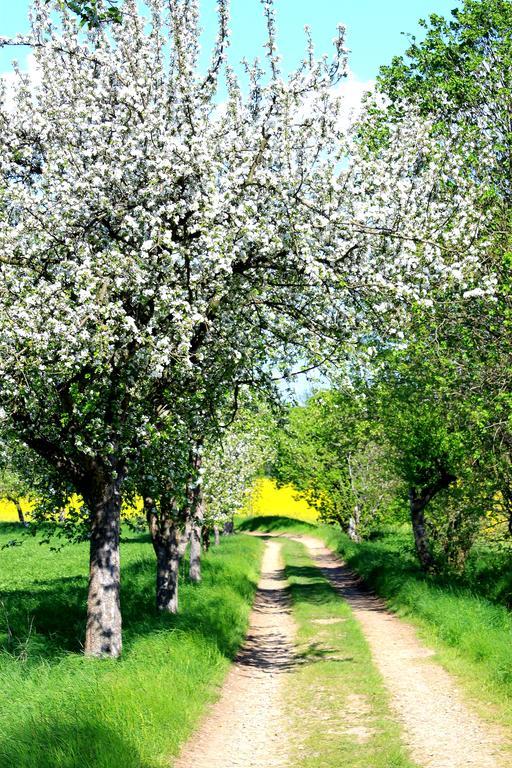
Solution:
(352, 91)
(11, 78)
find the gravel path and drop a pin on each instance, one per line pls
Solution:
(246, 728)
(439, 728)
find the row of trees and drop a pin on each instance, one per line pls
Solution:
(426, 415)
(162, 250)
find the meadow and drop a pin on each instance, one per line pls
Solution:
(59, 709)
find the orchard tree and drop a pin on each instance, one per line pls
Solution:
(332, 451)
(459, 76)
(427, 418)
(233, 462)
(150, 235)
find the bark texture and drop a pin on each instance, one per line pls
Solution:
(103, 634)
(169, 540)
(216, 535)
(195, 545)
(167, 572)
(353, 525)
(421, 538)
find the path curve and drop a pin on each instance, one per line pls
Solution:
(247, 726)
(440, 729)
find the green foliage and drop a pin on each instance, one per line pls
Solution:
(60, 710)
(94, 13)
(460, 76)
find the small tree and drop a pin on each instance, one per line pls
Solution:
(232, 463)
(14, 489)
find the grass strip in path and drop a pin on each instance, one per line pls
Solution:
(337, 702)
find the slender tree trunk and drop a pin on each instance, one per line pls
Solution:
(19, 510)
(206, 537)
(355, 519)
(216, 534)
(229, 528)
(353, 525)
(421, 540)
(195, 544)
(103, 634)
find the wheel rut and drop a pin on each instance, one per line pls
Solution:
(440, 729)
(247, 726)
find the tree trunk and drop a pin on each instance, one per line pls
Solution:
(21, 516)
(421, 539)
(355, 519)
(206, 537)
(353, 526)
(103, 635)
(229, 528)
(216, 534)
(167, 571)
(195, 545)
(418, 500)
(169, 544)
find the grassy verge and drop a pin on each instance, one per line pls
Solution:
(471, 632)
(338, 702)
(60, 710)
(276, 524)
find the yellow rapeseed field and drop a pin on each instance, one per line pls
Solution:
(268, 499)
(8, 513)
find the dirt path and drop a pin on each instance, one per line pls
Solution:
(439, 728)
(247, 727)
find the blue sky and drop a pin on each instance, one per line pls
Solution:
(374, 27)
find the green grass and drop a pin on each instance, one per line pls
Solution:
(276, 524)
(339, 704)
(61, 710)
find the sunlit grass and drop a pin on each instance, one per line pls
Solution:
(61, 710)
(268, 499)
